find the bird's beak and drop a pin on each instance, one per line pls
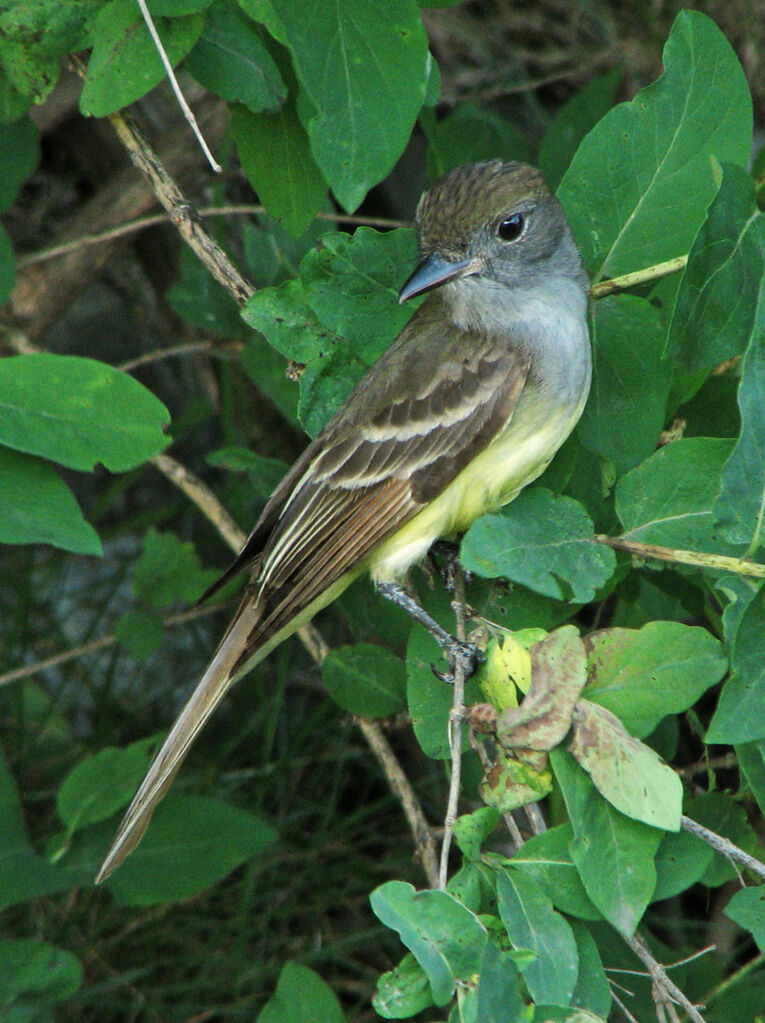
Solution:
(435, 271)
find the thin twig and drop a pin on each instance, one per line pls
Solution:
(717, 562)
(723, 845)
(155, 219)
(667, 989)
(28, 670)
(399, 783)
(631, 280)
(455, 727)
(627, 1014)
(203, 498)
(187, 112)
(222, 351)
(181, 211)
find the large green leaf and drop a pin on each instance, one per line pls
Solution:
(670, 498)
(639, 185)
(276, 157)
(364, 69)
(38, 507)
(740, 714)
(124, 63)
(339, 316)
(365, 679)
(717, 303)
(301, 995)
(35, 975)
(444, 936)
(542, 541)
(625, 412)
(78, 412)
(532, 923)
(230, 60)
(608, 845)
(641, 675)
(193, 842)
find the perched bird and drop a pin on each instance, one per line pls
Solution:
(466, 407)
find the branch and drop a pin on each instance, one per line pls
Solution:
(666, 990)
(631, 280)
(718, 562)
(455, 726)
(724, 846)
(183, 215)
(28, 670)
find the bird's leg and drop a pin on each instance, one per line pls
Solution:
(466, 654)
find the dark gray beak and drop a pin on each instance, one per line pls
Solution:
(434, 271)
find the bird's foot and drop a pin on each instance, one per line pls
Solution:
(461, 655)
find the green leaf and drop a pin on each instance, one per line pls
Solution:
(740, 714)
(38, 507)
(365, 679)
(33, 976)
(301, 995)
(403, 991)
(717, 304)
(543, 542)
(364, 68)
(447, 940)
(78, 412)
(102, 784)
(275, 154)
(609, 845)
(339, 316)
(740, 507)
(593, 991)
(751, 759)
(19, 153)
(621, 192)
(499, 998)
(629, 774)
(747, 909)
(52, 27)
(471, 829)
(193, 842)
(546, 859)
(641, 675)
(681, 861)
(124, 64)
(468, 135)
(532, 923)
(23, 874)
(572, 122)
(230, 60)
(669, 499)
(624, 415)
(169, 571)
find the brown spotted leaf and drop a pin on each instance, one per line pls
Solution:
(626, 772)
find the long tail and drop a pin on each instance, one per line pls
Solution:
(221, 674)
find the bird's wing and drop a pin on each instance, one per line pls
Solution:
(406, 431)
(403, 436)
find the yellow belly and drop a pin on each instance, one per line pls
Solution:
(494, 477)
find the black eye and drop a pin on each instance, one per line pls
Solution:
(511, 227)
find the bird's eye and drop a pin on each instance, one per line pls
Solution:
(511, 227)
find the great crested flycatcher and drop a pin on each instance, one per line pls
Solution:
(466, 407)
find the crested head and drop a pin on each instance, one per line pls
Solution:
(503, 218)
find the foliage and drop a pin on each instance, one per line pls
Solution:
(633, 667)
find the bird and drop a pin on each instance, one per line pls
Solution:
(465, 408)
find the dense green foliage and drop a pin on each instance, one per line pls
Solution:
(641, 658)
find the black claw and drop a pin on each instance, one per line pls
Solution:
(443, 676)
